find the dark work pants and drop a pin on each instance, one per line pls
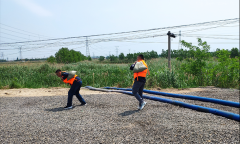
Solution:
(137, 90)
(74, 90)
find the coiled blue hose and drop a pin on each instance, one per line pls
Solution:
(226, 114)
(205, 99)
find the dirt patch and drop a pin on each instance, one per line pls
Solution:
(56, 91)
(179, 91)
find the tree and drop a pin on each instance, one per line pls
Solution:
(51, 59)
(197, 61)
(101, 58)
(89, 58)
(64, 55)
(234, 52)
(121, 56)
(113, 58)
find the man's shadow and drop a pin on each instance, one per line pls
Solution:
(56, 109)
(127, 113)
(60, 109)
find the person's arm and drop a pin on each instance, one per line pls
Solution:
(64, 75)
(132, 66)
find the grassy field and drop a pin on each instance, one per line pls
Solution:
(36, 75)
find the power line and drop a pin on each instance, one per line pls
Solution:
(181, 26)
(22, 33)
(23, 30)
(213, 37)
(14, 35)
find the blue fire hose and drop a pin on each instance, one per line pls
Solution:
(229, 115)
(205, 99)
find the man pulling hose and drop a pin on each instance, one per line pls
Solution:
(75, 82)
(140, 70)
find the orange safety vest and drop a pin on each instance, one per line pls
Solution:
(142, 73)
(70, 81)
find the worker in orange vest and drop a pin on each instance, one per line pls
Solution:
(139, 81)
(75, 83)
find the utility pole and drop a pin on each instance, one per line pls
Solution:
(169, 48)
(116, 50)
(129, 51)
(179, 43)
(87, 48)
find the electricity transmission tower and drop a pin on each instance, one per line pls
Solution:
(179, 43)
(116, 50)
(20, 51)
(87, 48)
(2, 56)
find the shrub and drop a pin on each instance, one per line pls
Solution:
(51, 59)
(14, 84)
(101, 58)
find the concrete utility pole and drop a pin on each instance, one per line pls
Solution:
(169, 48)
(87, 48)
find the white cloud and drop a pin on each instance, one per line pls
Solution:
(34, 7)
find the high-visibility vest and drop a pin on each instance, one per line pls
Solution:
(70, 81)
(142, 73)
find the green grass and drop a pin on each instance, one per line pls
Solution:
(101, 75)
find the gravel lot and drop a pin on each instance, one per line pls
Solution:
(113, 118)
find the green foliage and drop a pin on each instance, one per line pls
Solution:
(234, 52)
(14, 84)
(113, 58)
(226, 73)
(121, 56)
(89, 58)
(196, 64)
(214, 74)
(101, 58)
(193, 68)
(64, 55)
(129, 58)
(51, 59)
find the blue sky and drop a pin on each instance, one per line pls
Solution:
(61, 18)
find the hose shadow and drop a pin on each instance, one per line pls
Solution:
(127, 113)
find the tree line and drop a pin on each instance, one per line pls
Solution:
(129, 57)
(64, 55)
(184, 53)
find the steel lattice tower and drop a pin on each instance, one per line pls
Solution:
(87, 48)
(179, 43)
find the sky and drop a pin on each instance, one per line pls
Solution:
(24, 20)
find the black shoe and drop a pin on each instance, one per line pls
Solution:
(83, 104)
(68, 107)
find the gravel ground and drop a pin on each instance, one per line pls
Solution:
(212, 92)
(113, 118)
